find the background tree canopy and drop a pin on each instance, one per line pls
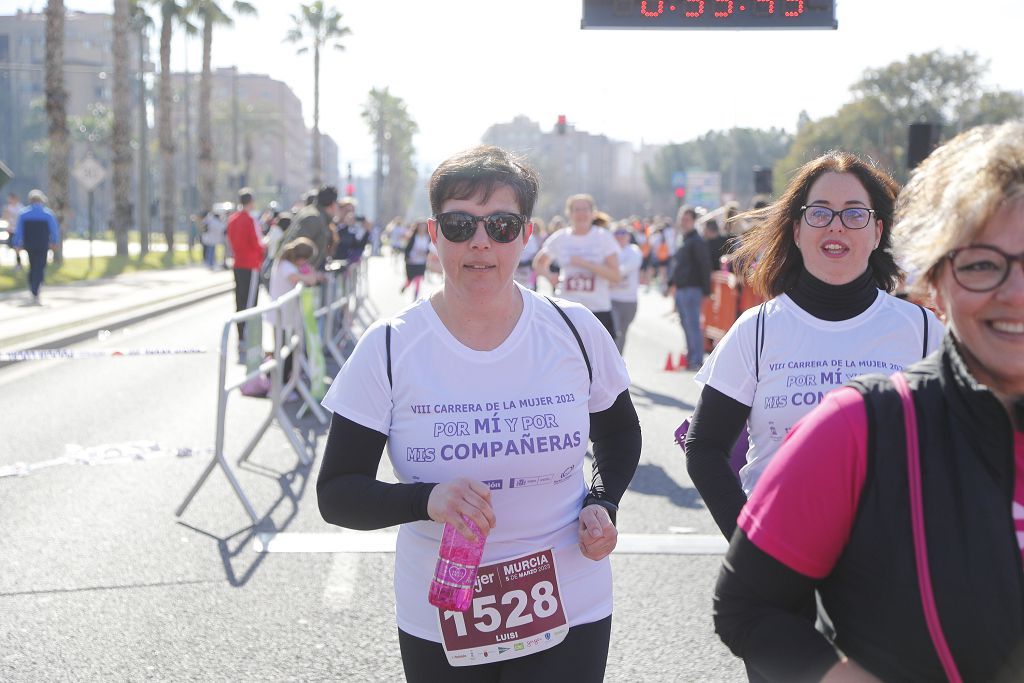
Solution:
(935, 87)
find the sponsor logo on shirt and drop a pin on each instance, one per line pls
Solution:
(494, 484)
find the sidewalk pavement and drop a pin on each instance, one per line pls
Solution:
(72, 313)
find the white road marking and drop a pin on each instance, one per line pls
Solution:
(384, 542)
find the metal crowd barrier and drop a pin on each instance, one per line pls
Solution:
(346, 294)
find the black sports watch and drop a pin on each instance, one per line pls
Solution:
(611, 507)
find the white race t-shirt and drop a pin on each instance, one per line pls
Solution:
(516, 417)
(579, 284)
(803, 358)
(630, 259)
(278, 286)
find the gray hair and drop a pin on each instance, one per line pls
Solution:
(953, 194)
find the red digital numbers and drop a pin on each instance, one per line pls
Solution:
(647, 13)
(770, 3)
(799, 8)
(695, 13)
(728, 8)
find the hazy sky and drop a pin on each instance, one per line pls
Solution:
(461, 65)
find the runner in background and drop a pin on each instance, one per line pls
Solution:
(624, 292)
(587, 257)
(486, 400)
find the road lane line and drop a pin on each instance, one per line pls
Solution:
(384, 542)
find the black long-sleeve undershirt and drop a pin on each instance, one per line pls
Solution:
(716, 423)
(763, 611)
(350, 495)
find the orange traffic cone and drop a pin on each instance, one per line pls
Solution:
(682, 362)
(668, 363)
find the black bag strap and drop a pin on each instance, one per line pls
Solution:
(759, 341)
(924, 345)
(575, 333)
(387, 346)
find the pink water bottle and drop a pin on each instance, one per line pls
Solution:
(455, 574)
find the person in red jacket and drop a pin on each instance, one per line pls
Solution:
(244, 237)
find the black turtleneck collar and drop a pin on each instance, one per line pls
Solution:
(833, 302)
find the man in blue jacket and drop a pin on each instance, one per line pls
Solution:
(37, 233)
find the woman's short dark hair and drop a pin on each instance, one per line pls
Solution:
(483, 169)
(768, 255)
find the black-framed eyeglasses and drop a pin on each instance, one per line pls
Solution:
(854, 218)
(981, 267)
(459, 226)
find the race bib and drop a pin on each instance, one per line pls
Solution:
(517, 610)
(579, 283)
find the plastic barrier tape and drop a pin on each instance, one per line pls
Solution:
(75, 354)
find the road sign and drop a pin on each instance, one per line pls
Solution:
(704, 188)
(678, 179)
(89, 173)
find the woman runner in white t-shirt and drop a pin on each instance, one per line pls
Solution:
(486, 396)
(823, 255)
(587, 258)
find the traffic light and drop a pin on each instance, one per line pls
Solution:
(680, 193)
(561, 125)
(350, 190)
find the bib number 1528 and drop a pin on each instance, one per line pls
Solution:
(541, 602)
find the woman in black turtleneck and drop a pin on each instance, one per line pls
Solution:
(820, 254)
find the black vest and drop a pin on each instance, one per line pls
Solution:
(967, 471)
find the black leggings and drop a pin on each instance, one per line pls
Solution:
(606, 319)
(580, 658)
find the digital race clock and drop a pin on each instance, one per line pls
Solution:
(710, 14)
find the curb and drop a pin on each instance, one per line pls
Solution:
(72, 333)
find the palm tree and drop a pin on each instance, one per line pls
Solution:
(141, 23)
(121, 134)
(171, 11)
(388, 120)
(211, 14)
(56, 114)
(322, 26)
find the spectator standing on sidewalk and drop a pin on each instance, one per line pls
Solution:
(689, 283)
(37, 233)
(12, 208)
(247, 245)
(588, 259)
(213, 234)
(624, 292)
(314, 222)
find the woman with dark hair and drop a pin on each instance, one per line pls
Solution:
(820, 254)
(449, 386)
(912, 531)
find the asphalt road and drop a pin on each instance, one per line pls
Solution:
(100, 581)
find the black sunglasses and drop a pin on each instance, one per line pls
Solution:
(459, 226)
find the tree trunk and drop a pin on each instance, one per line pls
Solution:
(56, 114)
(142, 211)
(206, 172)
(121, 133)
(166, 133)
(317, 170)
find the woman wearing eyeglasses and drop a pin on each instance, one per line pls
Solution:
(823, 261)
(486, 395)
(588, 260)
(921, 575)
(821, 252)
